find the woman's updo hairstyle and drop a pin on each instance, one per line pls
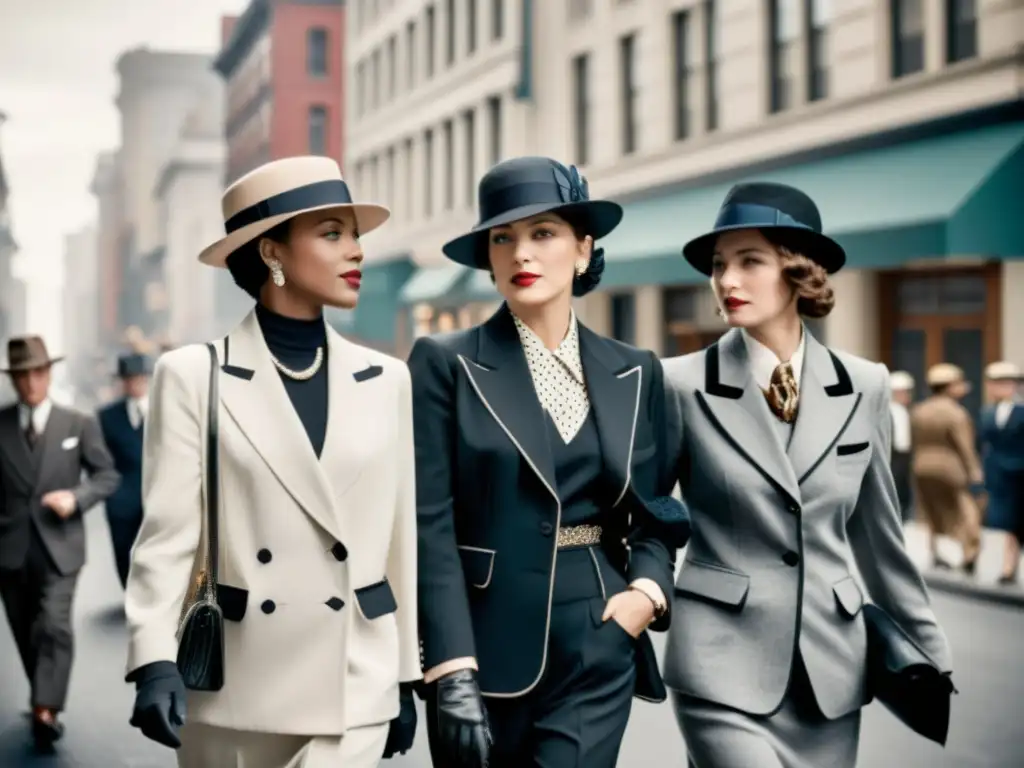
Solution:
(245, 264)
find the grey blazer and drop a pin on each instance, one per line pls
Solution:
(780, 536)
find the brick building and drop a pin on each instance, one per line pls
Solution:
(282, 65)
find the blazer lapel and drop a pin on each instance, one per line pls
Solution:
(614, 391)
(827, 404)
(738, 408)
(50, 445)
(501, 379)
(17, 449)
(253, 394)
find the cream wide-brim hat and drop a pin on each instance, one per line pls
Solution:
(281, 190)
(944, 373)
(1003, 371)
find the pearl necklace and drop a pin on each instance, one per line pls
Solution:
(303, 375)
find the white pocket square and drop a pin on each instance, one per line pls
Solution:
(69, 443)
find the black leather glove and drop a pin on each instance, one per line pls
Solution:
(402, 731)
(464, 735)
(159, 702)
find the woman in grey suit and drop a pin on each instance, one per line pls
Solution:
(785, 470)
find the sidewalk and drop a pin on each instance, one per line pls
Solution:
(982, 585)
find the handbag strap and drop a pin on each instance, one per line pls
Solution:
(212, 476)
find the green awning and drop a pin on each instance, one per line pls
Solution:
(480, 287)
(373, 319)
(953, 195)
(434, 285)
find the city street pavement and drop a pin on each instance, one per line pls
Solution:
(987, 639)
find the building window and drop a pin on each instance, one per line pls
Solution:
(375, 79)
(392, 67)
(471, 26)
(819, 17)
(580, 10)
(907, 37)
(497, 19)
(628, 70)
(961, 30)
(410, 55)
(428, 172)
(494, 128)
(373, 187)
(681, 72)
(785, 30)
(361, 88)
(469, 129)
(581, 105)
(317, 124)
(623, 317)
(431, 41)
(316, 52)
(448, 133)
(408, 152)
(711, 54)
(389, 173)
(450, 37)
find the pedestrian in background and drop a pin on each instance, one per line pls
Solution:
(946, 469)
(44, 450)
(1001, 429)
(785, 470)
(121, 423)
(531, 431)
(317, 512)
(902, 385)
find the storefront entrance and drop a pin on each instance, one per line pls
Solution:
(942, 316)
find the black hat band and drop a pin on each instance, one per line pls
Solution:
(315, 195)
(519, 196)
(751, 215)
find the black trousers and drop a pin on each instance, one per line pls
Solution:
(576, 715)
(123, 531)
(901, 474)
(37, 599)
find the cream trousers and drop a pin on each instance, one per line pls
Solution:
(206, 746)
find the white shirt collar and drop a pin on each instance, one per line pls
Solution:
(567, 352)
(138, 407)
(763, 361)
(40, 415)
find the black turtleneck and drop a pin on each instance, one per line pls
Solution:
(294, 343)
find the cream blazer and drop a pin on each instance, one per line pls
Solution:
(317, 556)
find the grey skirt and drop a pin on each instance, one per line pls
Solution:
(798, 735)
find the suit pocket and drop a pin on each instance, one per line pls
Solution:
(233, 601)
(376, 600)
(849, 598)
(713, 584)
(850, 449)
(477, 565)
(640, 455)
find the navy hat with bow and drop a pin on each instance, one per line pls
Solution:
(134, 364)
(524, 187)
(789, 215)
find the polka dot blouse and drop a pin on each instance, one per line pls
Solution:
(558, 378)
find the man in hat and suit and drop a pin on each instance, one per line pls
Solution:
(946, 468)
(44, 448)
(121, 423)
(902, 385)
(1001, 429)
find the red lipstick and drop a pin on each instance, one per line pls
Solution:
(354, 278)
(732, 303)
(525, 279)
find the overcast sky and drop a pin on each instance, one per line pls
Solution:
(57, 87)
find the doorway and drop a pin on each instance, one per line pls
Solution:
(942, 316)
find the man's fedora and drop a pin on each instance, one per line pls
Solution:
(281, 190)
(788, 213)
(135, 364)
(524, 187)
(25, 353)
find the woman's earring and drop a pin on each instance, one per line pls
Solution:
(276, 273)
(581, 268)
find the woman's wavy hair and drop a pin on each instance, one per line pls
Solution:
(815, 297)
(245, 265)
(589, 280)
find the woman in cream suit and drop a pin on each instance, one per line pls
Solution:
(785, 469)
(317, 513)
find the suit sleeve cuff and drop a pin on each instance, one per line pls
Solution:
(650, 588)
(447, 667)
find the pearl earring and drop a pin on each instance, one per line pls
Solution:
(581, 267)
(276, 273)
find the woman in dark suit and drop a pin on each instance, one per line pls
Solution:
(536, 438)
(785, 470)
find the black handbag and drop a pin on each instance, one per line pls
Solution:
(903, 677)
(201, 634)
